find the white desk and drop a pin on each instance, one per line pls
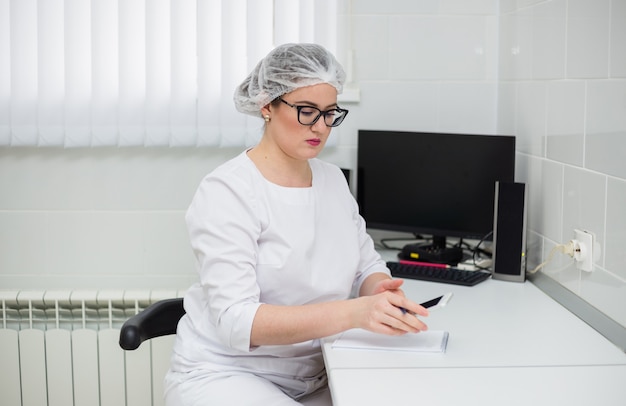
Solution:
(509, 344)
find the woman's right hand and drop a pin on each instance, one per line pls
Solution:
(389, 312)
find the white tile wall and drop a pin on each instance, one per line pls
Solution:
(515, 42)
(587, 38)
(615, 237)
(584, 202)
(507, 106)
(606, 126)
(567, 111)
(530, 119)
(467, 107)
(551, 72)
(570, 117)
(565, 121)
(460, 52)
(370, 47)
(551, 197)
(617, 58)
(549, 40)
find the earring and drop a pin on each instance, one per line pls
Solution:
(267, 118)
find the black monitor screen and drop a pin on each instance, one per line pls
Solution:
(432, 183)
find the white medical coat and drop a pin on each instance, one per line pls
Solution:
(257, 242)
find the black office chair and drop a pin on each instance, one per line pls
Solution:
(158, 319)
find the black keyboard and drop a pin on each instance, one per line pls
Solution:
(437, 274)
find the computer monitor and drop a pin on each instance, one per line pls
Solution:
(436, 184)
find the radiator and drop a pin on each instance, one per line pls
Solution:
(61, 349)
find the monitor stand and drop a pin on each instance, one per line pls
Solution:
(436, 252)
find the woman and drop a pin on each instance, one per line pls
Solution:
(280, 247)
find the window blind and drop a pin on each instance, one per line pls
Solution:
(89, 73)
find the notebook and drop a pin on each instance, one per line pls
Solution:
(426, 341)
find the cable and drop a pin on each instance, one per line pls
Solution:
(477, 249)
(384, 242)
(564, 248)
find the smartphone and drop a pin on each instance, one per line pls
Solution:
(437, 302)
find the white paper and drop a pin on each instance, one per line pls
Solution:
(426, 341)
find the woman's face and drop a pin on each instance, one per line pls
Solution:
(296, 140)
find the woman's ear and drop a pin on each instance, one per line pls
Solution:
(265, 110)
(266, 113)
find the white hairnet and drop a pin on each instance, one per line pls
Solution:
(285, 69)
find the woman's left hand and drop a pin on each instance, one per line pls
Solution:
(392, 285)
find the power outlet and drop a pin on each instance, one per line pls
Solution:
(583, 250)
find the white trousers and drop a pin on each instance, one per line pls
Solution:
(241, 389)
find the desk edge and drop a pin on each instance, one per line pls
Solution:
(599, 321)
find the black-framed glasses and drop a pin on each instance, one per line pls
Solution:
(308, 115)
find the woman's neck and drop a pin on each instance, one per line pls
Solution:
(281, 169)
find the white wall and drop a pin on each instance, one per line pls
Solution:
(98, 218)
(562, 91)
(551, 72)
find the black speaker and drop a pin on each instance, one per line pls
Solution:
(509, 232)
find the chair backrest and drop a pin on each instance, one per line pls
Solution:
(159, 319)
